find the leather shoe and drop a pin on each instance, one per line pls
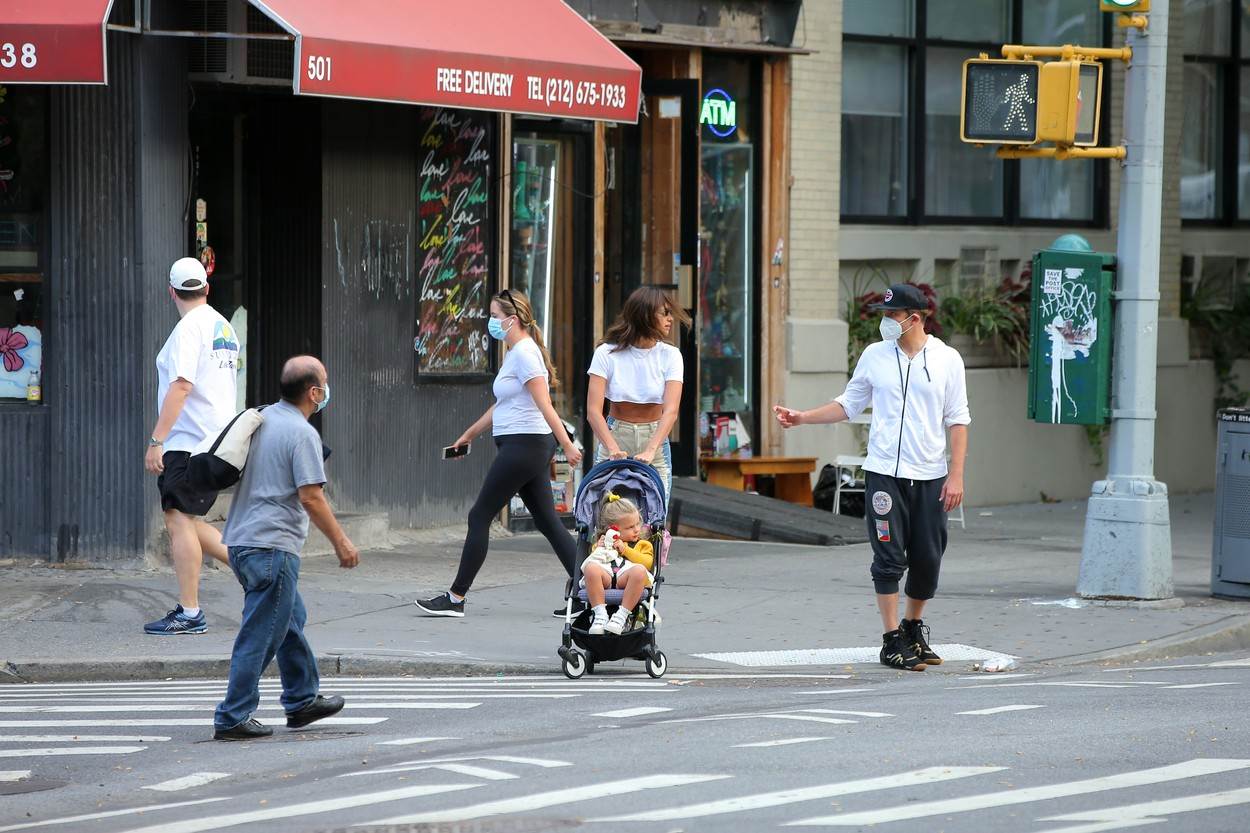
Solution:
(314, 711)
(249, 729)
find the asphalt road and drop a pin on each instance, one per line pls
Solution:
(1047, 750)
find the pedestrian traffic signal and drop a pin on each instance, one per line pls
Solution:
(1069, 102)
(1126, 5)
(999, 103)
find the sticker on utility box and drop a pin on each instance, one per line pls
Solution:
(1052, 281)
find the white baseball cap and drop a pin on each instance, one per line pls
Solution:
(187, 273)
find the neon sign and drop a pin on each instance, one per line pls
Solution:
(720, 113)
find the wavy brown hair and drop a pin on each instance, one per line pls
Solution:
(514, 302)
(637, 319)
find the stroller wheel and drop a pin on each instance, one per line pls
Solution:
(574, 666)
(657, 665)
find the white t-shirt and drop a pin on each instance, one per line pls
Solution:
(908, 438)
(515, 411)
(637, 375)
(204, 350)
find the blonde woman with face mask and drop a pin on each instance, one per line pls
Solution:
(526, 430)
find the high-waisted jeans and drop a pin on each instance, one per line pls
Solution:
(633, 437)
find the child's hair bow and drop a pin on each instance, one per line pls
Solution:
(613, 497)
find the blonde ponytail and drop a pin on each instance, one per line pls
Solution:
(514, 302)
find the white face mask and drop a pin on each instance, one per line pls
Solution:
(891, 330)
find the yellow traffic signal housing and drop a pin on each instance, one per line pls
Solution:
(999, 101)
(1069, 102)
(1125, 5)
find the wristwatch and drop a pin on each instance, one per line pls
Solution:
(153, 442)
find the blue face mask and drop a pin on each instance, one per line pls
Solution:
(494, 326)
(321, 406)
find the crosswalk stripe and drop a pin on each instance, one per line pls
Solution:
(213, 698)
(425, 763)
(440, 682)
(538, 801)
(10, 775)
(179, 707)
(1160, 808)
(307, 808)
(82, 738)
(411, 741)
(790, 715)
(54, 751)
(1106, 826)
(1201, 685)
(836, 691)
(758, 801)
(639, 711)
(1138, 778)
(841, 711)
(172, 721)
(782, 742)
(1001, 710)
(186, 782)
(108, 814)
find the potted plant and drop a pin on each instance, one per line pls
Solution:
(990, 325)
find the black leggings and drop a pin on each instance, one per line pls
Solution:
(522, 467)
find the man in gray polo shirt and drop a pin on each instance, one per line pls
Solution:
(280, 490)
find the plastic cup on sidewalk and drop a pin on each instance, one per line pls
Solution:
(996, 665)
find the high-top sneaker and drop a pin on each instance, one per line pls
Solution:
(897, 652)
(917, 633)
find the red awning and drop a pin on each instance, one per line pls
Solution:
(536, 56)
(53, 41)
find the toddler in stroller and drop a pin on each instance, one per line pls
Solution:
(620, 524)
(619, 561)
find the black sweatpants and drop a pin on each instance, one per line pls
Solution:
(522, 467)
(907, 528)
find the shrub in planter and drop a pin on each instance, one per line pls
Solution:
(990, 325)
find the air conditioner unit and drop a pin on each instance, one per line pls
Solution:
(239, 60)
(1218, 278)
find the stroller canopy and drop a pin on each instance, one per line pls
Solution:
(640, 480)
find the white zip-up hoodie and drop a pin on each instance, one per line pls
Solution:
(913, 403)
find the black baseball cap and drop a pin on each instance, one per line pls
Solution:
(902, 296)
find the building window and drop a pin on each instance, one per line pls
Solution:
(23, 188)
(1215, 148)
(902, 160)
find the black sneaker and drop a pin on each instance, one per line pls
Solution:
(314, 711)
(578, 607)
(897, 652)
(249, 729)
(917, 633)
(176, 622)
(441, 605)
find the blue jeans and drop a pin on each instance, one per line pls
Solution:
(273, 623)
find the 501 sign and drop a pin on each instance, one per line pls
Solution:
(320, 68)
(12, 54)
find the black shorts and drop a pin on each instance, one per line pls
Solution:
(176, 490)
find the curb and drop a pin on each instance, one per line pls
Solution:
(216, 667)
(1231, 633)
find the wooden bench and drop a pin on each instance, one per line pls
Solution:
(791, 474)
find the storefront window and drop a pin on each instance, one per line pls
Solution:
(874, 130)
(1201, 189)
(726, 303)
(890, 18)
(23, 185)
(535, 164)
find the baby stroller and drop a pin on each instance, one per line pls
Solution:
(581, 650)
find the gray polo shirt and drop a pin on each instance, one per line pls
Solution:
(285, 454)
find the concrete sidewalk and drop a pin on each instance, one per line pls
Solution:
(1007, 586)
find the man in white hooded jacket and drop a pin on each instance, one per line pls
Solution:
(916, 387)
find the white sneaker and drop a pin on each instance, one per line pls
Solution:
(618, 621)
(599, 622)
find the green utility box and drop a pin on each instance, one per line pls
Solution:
(1070, 346)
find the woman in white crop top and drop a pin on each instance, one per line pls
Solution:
(641, 375)
(526, 429)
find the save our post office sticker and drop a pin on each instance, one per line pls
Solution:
(882, 503)
(883, 531)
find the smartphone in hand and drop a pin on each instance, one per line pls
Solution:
(451, 452)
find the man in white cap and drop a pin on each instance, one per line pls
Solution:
(195, 399)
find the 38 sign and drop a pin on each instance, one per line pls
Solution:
(18, 54)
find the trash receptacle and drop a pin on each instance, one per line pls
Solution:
(1230, 551)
